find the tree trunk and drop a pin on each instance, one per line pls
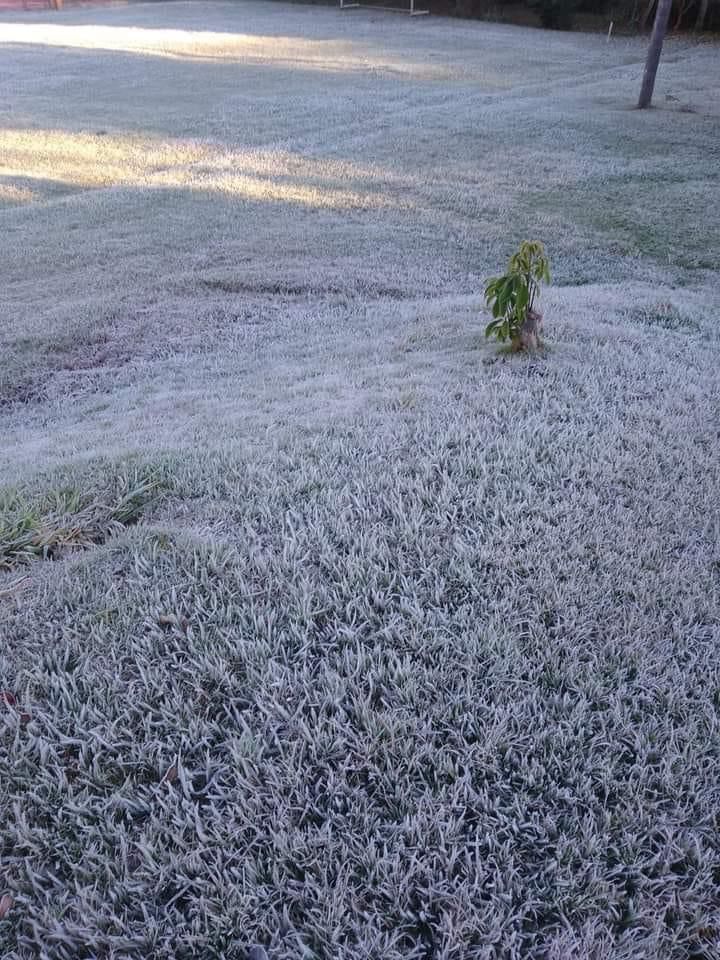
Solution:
(528, 337)
(653, 58)
(702, 14)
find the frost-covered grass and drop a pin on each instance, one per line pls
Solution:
(324, 626)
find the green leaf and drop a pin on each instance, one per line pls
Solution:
(523, 298)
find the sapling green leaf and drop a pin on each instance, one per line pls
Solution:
(512, 297)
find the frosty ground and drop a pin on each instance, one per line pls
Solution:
(323, 625)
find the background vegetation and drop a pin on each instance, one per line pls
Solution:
(564, 14)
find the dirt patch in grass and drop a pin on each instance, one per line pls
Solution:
(33, 364)
(288, 289)
(107, 355)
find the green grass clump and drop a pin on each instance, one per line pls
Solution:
(67, 519)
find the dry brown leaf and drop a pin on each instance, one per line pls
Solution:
(171, 774)
(6, 905)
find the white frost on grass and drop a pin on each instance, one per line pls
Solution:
(416, 653)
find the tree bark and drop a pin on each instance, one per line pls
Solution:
(653, 58)
(528, 337)
(702, 14)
